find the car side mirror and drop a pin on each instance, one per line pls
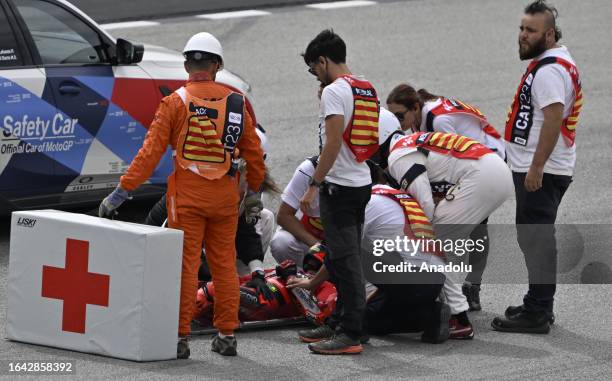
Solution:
(128, 53)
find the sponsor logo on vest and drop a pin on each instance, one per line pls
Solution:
(235, 118)
(364, 92)
(520, 140)
(203, 111)
(26, 222)
(400, 195)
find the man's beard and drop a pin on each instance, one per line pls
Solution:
(534, 50)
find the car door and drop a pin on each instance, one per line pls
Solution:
(26, 110)
(94, 139)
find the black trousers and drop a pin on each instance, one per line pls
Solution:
(342, 213)
(536, 213)
(399, 308)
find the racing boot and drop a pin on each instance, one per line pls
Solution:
(225, 346)
(523, 322)
(512, 311)
(339, 344)
(182, 348)
(322, 332)
(437, 328)
(460, 327)
(472, 294)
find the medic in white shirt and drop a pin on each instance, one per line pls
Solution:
(421, 111)
(471, 182)
(299, 231)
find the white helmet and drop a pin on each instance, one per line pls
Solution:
(263, 141)
(204, 42)
(387, 125)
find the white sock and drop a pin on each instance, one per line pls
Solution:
(224, 336)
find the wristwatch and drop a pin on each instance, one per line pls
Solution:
(314, 183)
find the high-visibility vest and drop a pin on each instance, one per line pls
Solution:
(313, 225)
(520, 115)
(458, 146)
(416, 224)
(207, 142)
(454, 106)
(361, 134)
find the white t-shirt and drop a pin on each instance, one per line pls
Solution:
(461, 124)
(297, 187)
(552, 84)
(385, 219)
(337, 99)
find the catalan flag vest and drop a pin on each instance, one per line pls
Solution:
(458, 146)
(361, 135)
(454, 106)
(207, 142)
(520, 115)
(313, 225)
(416, 224)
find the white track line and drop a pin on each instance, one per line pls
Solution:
(341, 4)
(128, 24)
(232, 15)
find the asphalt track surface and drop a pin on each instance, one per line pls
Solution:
(118, 10)
(461, 49)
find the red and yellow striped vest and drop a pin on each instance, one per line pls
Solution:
(207, 142)
(313, 225)
(520, 115)
(454, 106)
(460, 147)
(361, 135)
(416, 224)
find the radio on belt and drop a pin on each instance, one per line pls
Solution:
(94, 285)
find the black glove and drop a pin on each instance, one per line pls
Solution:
(258, 282)
(285, 269)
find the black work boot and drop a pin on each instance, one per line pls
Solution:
(472, 294)
(225, 346)
(523, 322)
(437, 329)
(182, 348)
(322, 332)
(515, 310)
(339, 344)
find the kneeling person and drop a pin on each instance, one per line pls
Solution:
(392, 214)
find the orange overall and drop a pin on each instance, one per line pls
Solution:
(205, 210)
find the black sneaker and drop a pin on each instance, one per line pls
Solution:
(472, 294)
(339, 344)
(182, 348)
(322, 332)
(437, 329)
(523, 322)
(512, 311)
(225, 346)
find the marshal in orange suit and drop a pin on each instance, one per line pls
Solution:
(208, 126)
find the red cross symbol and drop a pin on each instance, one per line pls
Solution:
(75, 286)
